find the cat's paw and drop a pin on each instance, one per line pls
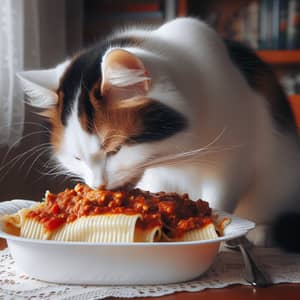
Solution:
(260, 236)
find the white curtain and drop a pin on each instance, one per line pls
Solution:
(11, 61)
(33, 35)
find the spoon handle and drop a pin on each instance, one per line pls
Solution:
(253, 273)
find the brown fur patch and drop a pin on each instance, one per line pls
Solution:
(56, 132)
(53, 115)
(115, 125)
(114, 122)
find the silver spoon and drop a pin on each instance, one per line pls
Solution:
(253, 272)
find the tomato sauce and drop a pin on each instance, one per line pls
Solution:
(176, 213)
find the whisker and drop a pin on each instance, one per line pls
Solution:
(20, 123)
(122, 175)
(179, 157)
(195, 156)
(41, 147)
(17, 142)
(35, 160)
(13, 161)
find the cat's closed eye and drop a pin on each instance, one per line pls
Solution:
(77, 157)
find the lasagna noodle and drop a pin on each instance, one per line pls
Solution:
(148, 235)
(207, 232)
(13, 223)
(220, 223)
(110, 228)
(33, 230)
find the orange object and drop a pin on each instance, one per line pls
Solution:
(277, 57)
(182, 9)
(295, 104)
(176, 213)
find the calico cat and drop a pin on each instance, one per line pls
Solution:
(175, 109)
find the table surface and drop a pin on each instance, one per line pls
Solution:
(237, 292)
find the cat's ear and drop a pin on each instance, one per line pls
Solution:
(40, 86)
(123, 75)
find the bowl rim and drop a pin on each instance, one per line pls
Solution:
(238, 227)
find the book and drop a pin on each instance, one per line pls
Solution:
(263, 24)
(275, 16)
(293, 25)
(283, 24)
(251, 24)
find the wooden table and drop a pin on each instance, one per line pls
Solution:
(238, 292)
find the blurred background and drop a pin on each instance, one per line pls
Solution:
(41, 33)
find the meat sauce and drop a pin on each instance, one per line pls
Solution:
(176, 213)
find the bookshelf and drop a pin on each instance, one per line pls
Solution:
(105, 16)
(262, 24)
(270, 27)
(239, 20)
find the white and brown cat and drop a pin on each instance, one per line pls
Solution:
(177, 109)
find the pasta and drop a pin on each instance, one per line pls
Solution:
(84, 214)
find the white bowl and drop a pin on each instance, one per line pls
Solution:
(122, 263)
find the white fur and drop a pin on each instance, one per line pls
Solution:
(119, 76)
(244, 166)
(37, 95)
(122, 77)
(40, 85)
(80, 151)
(254, 170)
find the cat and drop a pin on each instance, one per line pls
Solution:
(176, 109)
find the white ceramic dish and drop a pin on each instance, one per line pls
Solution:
(124, 263)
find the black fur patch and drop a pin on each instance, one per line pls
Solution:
(84, 72)
(159, 122)
(261, 78)
(285, 232)
(69, 85)
(86, 108)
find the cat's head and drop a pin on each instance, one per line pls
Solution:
(104, 124)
